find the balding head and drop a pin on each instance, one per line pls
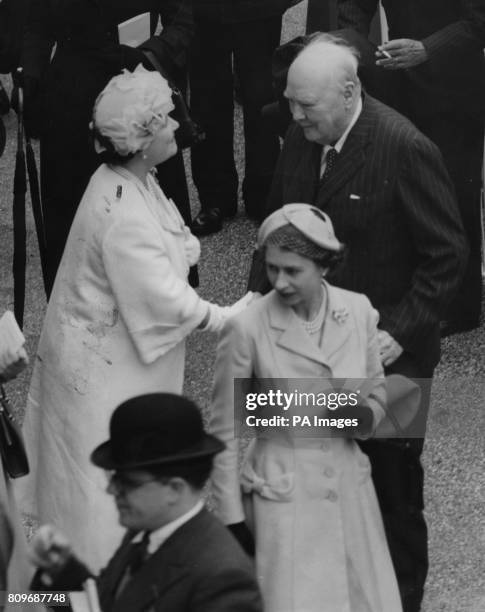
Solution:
(323, 88)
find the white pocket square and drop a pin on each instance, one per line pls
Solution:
(354, 196)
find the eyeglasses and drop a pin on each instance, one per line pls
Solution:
(124, 482)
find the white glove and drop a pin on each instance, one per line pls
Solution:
(192, 248)
(12, 363)
(218, 315)
(49, 549)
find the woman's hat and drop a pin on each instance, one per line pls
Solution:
(131, 109)
(313, 223)
(159, 429)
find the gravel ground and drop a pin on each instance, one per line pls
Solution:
(454, 456)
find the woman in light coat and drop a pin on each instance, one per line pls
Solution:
(319, 539)
(118, 316)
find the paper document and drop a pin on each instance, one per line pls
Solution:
(134, 31)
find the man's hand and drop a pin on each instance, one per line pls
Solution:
(400, 54)
(389, 348)
(12, 363)
(50, 550)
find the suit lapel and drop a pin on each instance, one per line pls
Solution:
(290, 334)
(111, 576)
(165, 567)
(350, 159)
(292, 337)
(338, 325)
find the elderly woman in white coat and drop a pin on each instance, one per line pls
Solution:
(118, 315)
(319, 539)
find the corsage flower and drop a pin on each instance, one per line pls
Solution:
(340, 315)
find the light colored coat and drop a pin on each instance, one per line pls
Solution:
(115, 328)
(320, 543)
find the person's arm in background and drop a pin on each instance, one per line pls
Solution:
(38, 40)
(467, 32)
(171, 46)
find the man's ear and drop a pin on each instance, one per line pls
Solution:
(349, 92)
(177, 487)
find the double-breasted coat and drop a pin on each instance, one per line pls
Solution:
(114, 328)
(320, 543)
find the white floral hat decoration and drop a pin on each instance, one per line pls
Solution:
(131, 109)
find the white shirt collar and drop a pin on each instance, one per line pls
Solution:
(338, 146)
(160, 535)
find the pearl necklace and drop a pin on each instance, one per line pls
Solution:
(315, 325)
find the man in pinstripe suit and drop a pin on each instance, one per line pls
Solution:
(391, 201)
(432, 70)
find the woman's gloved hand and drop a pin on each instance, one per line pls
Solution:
(218, 315)
(244, 536)
(12, 363)
(49, 550)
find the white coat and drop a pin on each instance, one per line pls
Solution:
(114, 328)
(320, 542)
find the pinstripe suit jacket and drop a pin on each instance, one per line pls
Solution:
(392, 203)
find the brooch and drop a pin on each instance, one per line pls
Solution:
(340, 315)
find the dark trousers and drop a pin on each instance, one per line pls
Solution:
(460, 140)
(218, 50)
(398, 479)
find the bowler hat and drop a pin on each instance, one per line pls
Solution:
(155, 429)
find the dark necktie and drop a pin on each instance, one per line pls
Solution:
(330, 160)
(134, 559)
(138, 554)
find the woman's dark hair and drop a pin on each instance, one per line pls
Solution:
(331, 259)
(110, 155)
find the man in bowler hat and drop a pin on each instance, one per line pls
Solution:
(175, 556)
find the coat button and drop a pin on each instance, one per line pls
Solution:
(329, 471)
(331, 495)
